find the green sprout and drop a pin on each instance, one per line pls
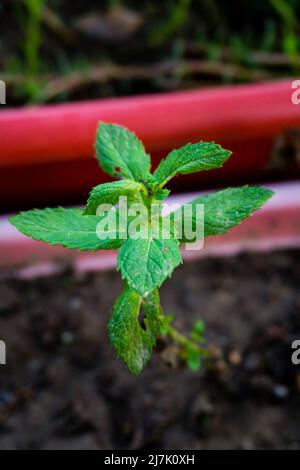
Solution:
(147, 256)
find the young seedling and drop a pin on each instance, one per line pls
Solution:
(148, 249)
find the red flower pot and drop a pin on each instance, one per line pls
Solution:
(46, 153)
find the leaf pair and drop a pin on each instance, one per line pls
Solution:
(122, 155)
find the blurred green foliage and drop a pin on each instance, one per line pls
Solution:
(204, 41)
(33, 35)
(290, 41)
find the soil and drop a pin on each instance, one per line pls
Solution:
(63, 388)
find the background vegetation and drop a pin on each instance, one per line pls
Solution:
(57, 50)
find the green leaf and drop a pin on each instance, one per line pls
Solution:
(162, 194)
(109, 193)
(226, 209)
(67, 227)
(193, 358)
(146, 263)
(198, 330)
(190, 159)
(120, 153)
(153, 313)
(132, 343)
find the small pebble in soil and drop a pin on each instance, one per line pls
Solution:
(67, 337)
(75, 304)
(281, 392)
(235, 358)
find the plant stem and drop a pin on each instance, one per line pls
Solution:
(182, 340)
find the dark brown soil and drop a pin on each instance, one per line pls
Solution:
(63, 388)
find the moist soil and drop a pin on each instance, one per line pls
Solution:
(63, 387)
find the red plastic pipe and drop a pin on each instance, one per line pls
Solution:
(66, 132)
(46, 153)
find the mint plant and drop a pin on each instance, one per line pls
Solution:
(145, 262)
